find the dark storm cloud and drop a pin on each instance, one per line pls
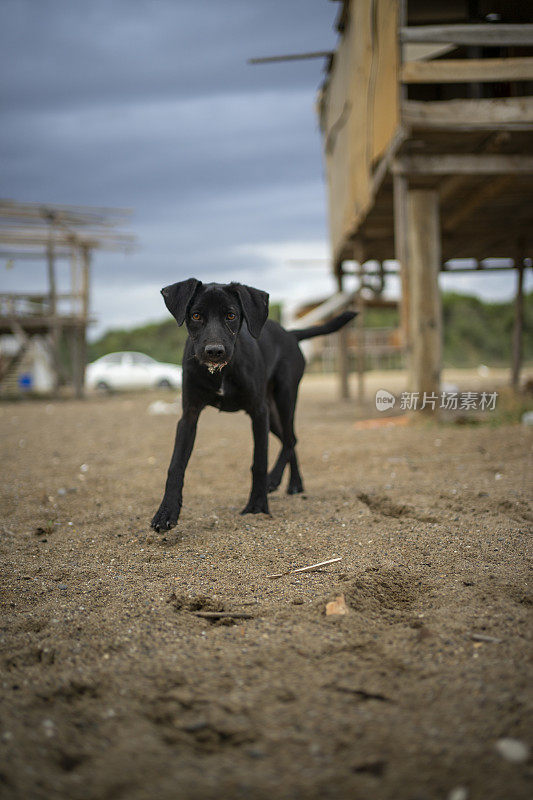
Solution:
(152, 150)
(150, 104)
(71, 54)
(133, 102)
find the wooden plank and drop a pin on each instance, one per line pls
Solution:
(483, 34)
(78, 355)
(26, 236)
(29, 255)
(292, 57)
(342, 348)
(464, 164)
(400, 252)
(509, 113)
(424, 259)
(456, 183)
(52, 289)
(360, 327)
(516, 365)
(476, 199)
(85, 279)
(81, 214)
(466, 70)
(384, 164)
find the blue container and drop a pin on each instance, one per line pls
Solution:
(25, 381)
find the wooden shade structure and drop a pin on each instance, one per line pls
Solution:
(427, 122)
(49, 232)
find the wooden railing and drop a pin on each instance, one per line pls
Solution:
(482, 34)
(467, 70)
(24, 304)
(509, 113)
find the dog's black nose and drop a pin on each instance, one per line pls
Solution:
(215, 352)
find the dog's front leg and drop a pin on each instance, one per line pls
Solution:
(258, 502)
(169, 510)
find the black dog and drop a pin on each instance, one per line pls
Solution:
(255, 367)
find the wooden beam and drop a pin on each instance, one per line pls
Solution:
(36, 324)
(425, 311)
(385, 162)
(508, 113)
(400, 252)
(32, 255)
(55, 331)
(483, 34)
(464, 164)
(475, 200)
(478, 268)
(78, 357)
(34, 236)
(342, 349)
(466, 70)
(292, 57)
(52, 290)
(517, 327)
(85, 280)
(35, 296)
(456, 183)
(360, 326)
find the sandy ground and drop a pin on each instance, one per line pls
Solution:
(112, 687)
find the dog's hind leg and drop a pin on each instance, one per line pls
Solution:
(276, 473)
(285, 405)
(295, 479)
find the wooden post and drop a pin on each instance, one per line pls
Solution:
(518, 325)
(78, 358)
(75, 289)
(360, 325)
(52, 289)
(401, 254)
(424, 259)
(81, 332)
(85, 278)
(342, 344)
(52, 309)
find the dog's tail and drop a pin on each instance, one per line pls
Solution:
(329, 327)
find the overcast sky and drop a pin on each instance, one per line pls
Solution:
(150, 104)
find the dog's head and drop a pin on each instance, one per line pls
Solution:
(214, 314)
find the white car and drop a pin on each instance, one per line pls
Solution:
(118, 371)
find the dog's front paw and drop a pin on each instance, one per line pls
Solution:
(256, 505)
(166, 516)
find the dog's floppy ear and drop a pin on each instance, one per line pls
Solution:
(254, 304)
(177, 297)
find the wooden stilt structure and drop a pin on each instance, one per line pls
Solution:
(33, 231)
(428, 138)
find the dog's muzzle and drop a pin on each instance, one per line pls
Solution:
(215, 357)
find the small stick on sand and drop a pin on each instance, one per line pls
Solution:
(482, 637)
(305, 569)
(223, 614)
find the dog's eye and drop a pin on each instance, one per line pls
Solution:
(231, 316)
(196, 316)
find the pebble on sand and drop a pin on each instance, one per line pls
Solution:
(513, 750)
